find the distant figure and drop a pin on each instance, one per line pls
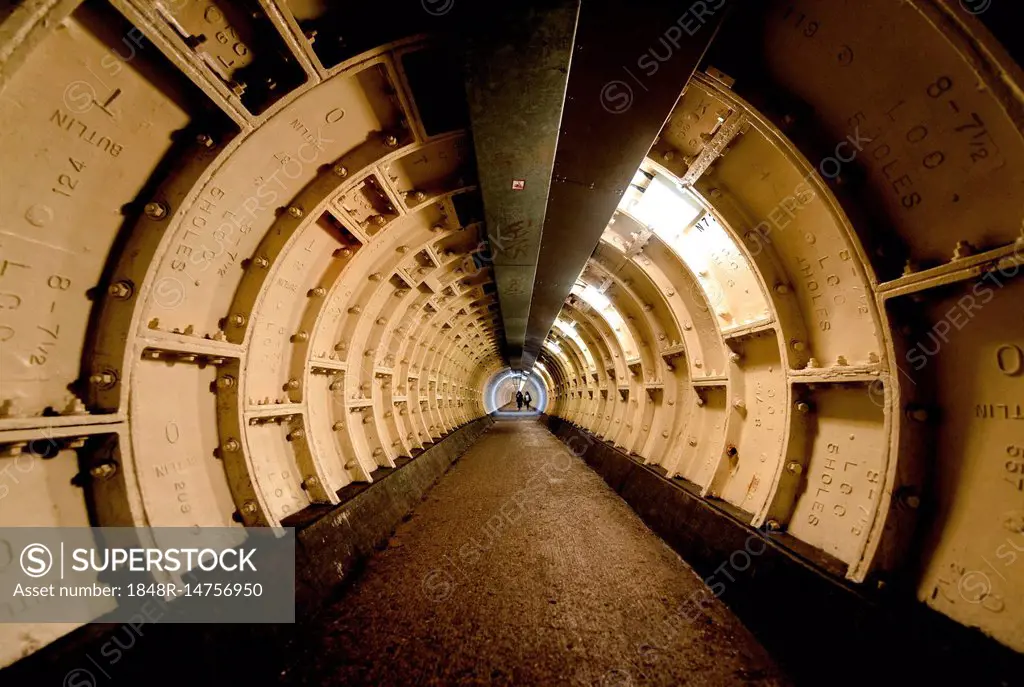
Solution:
(519, 400)
(526, 399)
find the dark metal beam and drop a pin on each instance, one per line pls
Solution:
(516, 71)
(631, 61)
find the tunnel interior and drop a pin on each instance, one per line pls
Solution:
(259, 258)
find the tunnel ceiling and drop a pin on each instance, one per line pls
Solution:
(244, 264)
(517, 64)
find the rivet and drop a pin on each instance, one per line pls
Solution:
(295, 435)
(340, 171)
(318, 292)
(249, 508)
(295, 211)
(918, 414)
(231, 445)
(237, 320)
(795, 468)
(225, 382)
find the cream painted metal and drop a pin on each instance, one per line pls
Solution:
(795, 376)
(226, 297)
(285, 297)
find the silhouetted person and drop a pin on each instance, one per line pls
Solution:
(526, 399)
(519, 400)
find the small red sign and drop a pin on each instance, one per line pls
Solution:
(518, 184)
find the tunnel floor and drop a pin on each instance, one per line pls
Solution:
(522, 567)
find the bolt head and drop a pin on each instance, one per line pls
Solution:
(295, 211)
(121, 290)
(103, 471)
(156, 210)
(340, 171)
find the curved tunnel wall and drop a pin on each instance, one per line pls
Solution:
(229, 291)
(807, 311)
(236, 278)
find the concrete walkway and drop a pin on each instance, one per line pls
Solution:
(522, 567)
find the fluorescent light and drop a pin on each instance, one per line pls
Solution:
(595, 298)
(664, 209)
